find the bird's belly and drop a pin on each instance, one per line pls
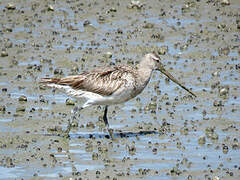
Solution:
(117, 98)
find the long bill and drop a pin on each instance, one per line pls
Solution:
(163, 70)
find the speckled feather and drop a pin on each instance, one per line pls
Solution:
(103, 81)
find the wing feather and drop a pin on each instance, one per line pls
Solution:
(104, 81)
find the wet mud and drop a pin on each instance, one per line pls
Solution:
(163, 133)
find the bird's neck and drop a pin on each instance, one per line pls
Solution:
(144, 73)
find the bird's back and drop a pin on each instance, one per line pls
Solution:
(103, 80)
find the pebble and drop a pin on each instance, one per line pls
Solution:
(50, 8)
(20, 109)
(94, 156)
(22, 98)
(216, 73)
(163, 50)
(4, 54)
(224, 91)
(74, 124)
(2, 108)
(225, 149)
(225, 2)
(132, 149)
(101, 19)
(58, 71)
(90, 125)
(148, 25)
(4, 89)
(216, 178)
(218, 103)
(201, 140)
(10, 6)
(86, 23)
(112, 9)
(158, 37)
(108, 55)
(135, 4)
(69, 102)
(224, 51)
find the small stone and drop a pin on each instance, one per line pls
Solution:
(225, 149)
(132, 150)
(237, 66)
(95, 156)
(224, 91)
(119, 31)
(86, 23)
(154, 150)
(8, 44)
(10, 6)
(90, 125)
(4, 89)
(112, 9)
(70, 102)
(148, 26)
(108, 55)
(158, 37)
(58, 71)
(163, 50)
(184, 130)
(59, 149)
(214, 136)
(217, 103)
(225, 2)
(50, 8)
(54, 129)
(20, 109)
(4, 54)
(216, 73)
(101, 19)
(22, 98)
(9, 162)
(135, 4)
(74, 124)
(2, 108)
(224, 51)
(152, 106)
(201, 140)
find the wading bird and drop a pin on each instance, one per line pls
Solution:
(111, 85)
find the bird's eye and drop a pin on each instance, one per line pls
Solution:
(158, 61)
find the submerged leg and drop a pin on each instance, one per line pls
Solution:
(70, 122)
(110, 131)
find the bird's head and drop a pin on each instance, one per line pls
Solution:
(154, 62)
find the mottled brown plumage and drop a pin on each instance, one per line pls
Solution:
(104, 81)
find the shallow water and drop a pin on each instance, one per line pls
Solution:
(157, 134)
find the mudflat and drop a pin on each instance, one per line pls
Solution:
(163, 133)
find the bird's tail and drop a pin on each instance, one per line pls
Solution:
(49, 80)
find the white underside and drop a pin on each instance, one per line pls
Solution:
(118, 97)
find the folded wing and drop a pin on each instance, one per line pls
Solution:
(104, 81)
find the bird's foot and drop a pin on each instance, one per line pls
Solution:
(110, 131)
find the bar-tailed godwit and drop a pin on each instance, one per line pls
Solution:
(111, 85)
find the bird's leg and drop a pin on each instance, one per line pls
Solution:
(70, 122)
(110, 131)
(105, 116)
